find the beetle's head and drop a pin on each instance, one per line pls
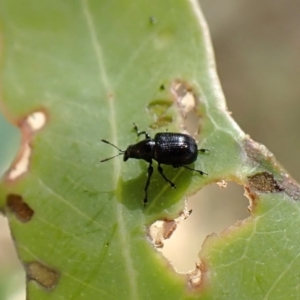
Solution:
(141, 150)
(127, 153)
(132, 151)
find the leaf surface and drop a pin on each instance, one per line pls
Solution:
(91, 69)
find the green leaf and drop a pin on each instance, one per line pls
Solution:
(85, 71)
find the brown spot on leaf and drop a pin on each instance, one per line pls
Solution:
(255, 150)
(264, 182)
(291, 187)
(20, 208)
(259, 155)
(42, 274)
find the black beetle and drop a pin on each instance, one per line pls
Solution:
(175, 149)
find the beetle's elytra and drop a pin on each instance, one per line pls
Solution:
(169, 148)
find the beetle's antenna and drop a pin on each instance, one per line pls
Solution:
(121, 151)
(103, 160)
(203, 150)
(106, 142)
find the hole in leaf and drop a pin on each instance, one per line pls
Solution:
(22, 163)
(214, 210)
(20, 208)
(184, 96)
(42, 274)
(187, 100)
(28, 126)
(161, 230)
(36, 120)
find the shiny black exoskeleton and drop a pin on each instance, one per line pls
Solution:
(175, 149)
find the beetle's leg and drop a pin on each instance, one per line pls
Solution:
(147, 136)
(200, 172)
(150, 171)
(203, 150)
(160, 170)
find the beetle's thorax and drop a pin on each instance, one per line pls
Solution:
(141, 150)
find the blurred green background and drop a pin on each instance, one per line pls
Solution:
(257, 49)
